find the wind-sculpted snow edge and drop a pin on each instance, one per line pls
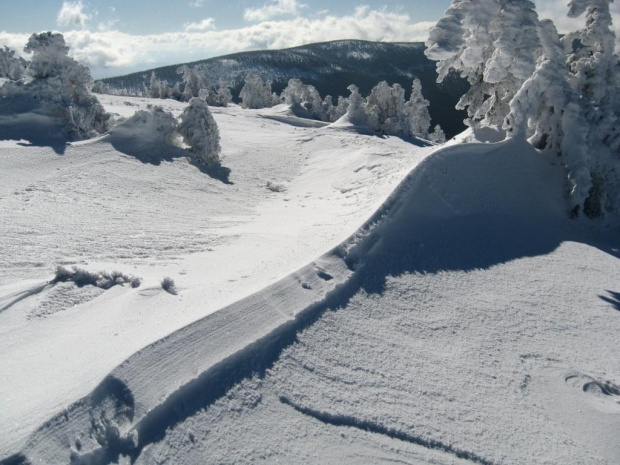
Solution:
(187, 371)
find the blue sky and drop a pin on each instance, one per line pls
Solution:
(118, 36)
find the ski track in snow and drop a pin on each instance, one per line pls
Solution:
(467, 321)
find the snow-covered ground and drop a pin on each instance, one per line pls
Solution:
(342, 298)
(292, 193)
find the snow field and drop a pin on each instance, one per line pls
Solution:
(146, 212)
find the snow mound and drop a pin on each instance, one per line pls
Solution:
(463, 208)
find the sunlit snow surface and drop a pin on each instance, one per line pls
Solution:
(464, 319)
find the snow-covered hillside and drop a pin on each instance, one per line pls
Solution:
(340, 298)
(126, 204)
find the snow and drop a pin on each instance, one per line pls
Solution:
(148, 212)
(386, 302)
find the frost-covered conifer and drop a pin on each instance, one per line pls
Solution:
(491, 43)
(594, 64)
(223, 95)
(200, 132)
(547, 111)
(298, 94)
(63, 86)
(340, 109)
(438, 136)
(385, 107)
(355, 106)
(153, 124)
(417, 120)
(194, 81)
(256, 93)
(11, 67)
(154, 86)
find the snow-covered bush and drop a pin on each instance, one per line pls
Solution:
(298, 94)
(200, 132)
(256, 93)
(153, 124)
(61, 86)
(11, 67)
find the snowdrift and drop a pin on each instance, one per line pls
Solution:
(464, 208)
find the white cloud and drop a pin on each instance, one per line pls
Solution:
(72, 15)
(196, 3)
(204, 25)
(115, 49)
(273, 9)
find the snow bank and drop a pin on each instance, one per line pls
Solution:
(498, 197)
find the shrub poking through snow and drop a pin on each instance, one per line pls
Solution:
(62, 86)
(168, 285)
(200, 132)
(101, 279)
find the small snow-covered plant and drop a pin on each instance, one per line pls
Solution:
(199, 131)
(63, 86)
(154, 123)
(438, 136)
(168, 285)
(256, 93)
(385, 108)
(11, 67)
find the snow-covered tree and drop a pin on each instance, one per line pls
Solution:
(11, 67)
(494, 45)
(547, 111)
(340, 109)
(417, 120)
(385, 108)
(298, 94)
(355, 106)
(223, 94)
(516, 48)
(594, 64)
(200, 132)
(461, 41)
(256, 93)
(155, 90)
(438, 136)
(62, 86)
(194, 81)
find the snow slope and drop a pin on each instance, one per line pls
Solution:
(468, 320)
(125, 204)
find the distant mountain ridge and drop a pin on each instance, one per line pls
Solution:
(331, 67)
